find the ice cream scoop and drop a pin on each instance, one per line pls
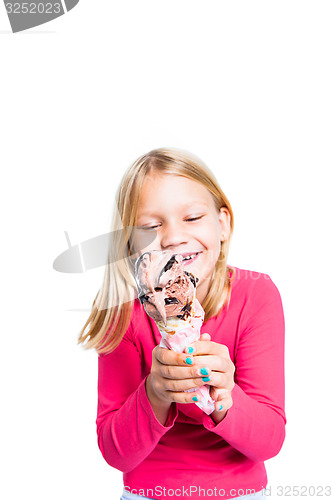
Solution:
(167, 293)
(165, 289)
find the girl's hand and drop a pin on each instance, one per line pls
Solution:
(215, 357)
(173, 373)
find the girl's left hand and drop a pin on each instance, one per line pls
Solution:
(220, 372)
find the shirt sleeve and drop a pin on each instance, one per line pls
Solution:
(255, 424)
(127, 427)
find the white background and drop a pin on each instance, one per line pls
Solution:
(245, 85)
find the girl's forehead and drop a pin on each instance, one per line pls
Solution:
(164, 189)
(162, 181)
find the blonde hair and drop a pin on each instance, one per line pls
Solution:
(112, 308)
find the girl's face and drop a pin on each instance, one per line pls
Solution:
(183, 215)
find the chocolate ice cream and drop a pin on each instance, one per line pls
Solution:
(165, 289)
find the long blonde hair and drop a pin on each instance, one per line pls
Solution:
(112, 308)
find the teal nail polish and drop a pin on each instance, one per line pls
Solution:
(188, 361)
(195, 399)
(206, 379)
(204, 371)
(190, 350)
(221, 407)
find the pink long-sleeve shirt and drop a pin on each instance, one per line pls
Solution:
(191, 454)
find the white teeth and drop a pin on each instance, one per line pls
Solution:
(189, 257)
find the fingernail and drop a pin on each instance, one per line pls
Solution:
(195, 399)
(206, 379)
(190, 350)
(221, 408)
(188, 361)
(204, 371)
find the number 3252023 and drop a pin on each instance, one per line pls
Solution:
(33, 8)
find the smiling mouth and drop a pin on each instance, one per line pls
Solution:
(191, 257)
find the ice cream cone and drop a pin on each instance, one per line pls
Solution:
(167, 293)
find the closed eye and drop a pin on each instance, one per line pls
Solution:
(195, 218)
(191, 219)
(148, 227)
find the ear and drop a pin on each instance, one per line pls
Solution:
(224, 219)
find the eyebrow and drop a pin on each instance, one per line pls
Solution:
(198, 204)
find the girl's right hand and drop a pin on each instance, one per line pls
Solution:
(171, 374)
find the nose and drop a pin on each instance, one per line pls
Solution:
(173, 235)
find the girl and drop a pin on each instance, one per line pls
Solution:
(147, 426)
